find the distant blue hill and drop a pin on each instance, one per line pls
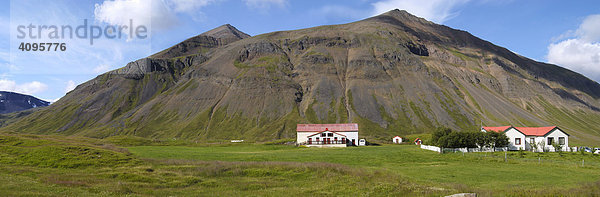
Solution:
(13, 102)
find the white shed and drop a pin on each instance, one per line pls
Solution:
(362, 142)
(397, 140)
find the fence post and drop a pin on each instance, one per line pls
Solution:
(504, 156)
(583, 163)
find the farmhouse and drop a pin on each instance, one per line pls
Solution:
(526, 138)
(327, 135)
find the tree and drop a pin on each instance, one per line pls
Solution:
(483, 139)
(445, 137)
(498, 139)
(542, 144)
(534, 147)
(557, 147)
(438, 134)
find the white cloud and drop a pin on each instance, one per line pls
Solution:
(434, 10)
(70, 86)
(25, 88)
(155, 14)
(188, 5)
(265, 4)
(581, 52)
(589, 30)
(151, 13)
(102, 68)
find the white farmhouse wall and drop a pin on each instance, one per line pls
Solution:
(542, 141)
(556, 133)
(352, 135)
(512, 134)
(302, 137)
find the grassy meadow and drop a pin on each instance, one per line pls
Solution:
(35, 165)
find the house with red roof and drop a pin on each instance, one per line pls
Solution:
(397, 140)
(523, 137)
(327, 135)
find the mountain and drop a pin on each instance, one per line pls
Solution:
(216, 37)
(394, 74)
(13, 102)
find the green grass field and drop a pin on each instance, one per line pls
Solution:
(32, 165)
(472, 172)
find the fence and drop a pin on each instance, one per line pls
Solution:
(586, 160)
(484, 149)
(464, 150)
(467, 150)
(431, 148)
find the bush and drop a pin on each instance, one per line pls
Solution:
(445, 137)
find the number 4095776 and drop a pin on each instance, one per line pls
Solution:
(25, 46)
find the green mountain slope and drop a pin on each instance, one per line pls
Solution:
(394, 74)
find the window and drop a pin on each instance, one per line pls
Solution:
(550, 139)
(517, 141)
(309, 140)
(561, 140)
(335, 139)
(317, 139)
(532, 140)
(330, 134)
(323, 134)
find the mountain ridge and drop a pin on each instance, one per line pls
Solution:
(394, 74)
(13, 102)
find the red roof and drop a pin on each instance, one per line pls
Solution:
(529, 131)
(536, 131)
(323, 127)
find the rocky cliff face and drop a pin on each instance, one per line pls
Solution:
(14, 102)
(394, 74)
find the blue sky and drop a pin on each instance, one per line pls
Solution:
(566, 33)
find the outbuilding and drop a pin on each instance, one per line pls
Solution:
(418, 141)
(362, 142)
(397, 140)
